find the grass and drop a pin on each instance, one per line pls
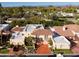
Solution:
(4, 51)
(30, 47)
(65, 51)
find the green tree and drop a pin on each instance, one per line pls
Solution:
(50, 42)
(55, 17)
(29, 41)
(18, 22)
(70, 9)
(1, 13)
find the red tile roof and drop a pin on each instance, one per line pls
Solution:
(60, 31)
(42, 32)
(17, 29)
(43, 49)
(6, 33)
(73, 27)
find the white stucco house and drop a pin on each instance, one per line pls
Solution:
(19, 33)
(61, 43)
(65, 14)
(17, 38)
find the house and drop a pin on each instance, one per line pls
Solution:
(65, 14)
(61, 43)
(77, 10)
(70, 31)
(50, 14)
(29, 28)
(39, 13)
(27, 12)
(17, 38)
(4, 27)
(75, 30)
(19, 33)
(9, 20)
(4, 33)
(17, 29)
(45, 34)
(73, 27)
(62, 31)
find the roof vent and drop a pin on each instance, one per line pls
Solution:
(64, 28)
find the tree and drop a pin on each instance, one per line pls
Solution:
(0, 7)
(55, 17)
(70, 9)
(29, 41)
(18, 22)
(35, 20)
(1, 13)
(57, 23)
(14, 23)
(18, 12)
(50, 42)
(21, 11)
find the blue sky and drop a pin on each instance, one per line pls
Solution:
(13, 4)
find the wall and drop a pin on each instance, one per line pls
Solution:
(62, 46)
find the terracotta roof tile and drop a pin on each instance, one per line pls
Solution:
(42, 32)
(73, 27)
(43, 49)
(17, 29)
(60, 31)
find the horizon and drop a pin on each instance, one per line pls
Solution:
(18, 4)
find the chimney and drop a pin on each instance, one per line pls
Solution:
(64, 28)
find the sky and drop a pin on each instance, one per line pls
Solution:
(14, 4)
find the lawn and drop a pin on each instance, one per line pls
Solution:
(30, 49)
(3, 51)
(65, 51)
